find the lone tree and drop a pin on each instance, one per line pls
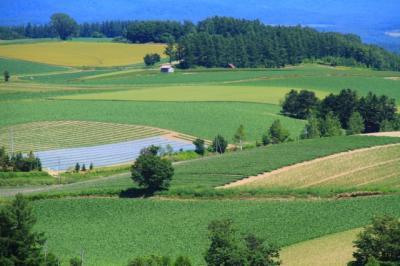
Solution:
(77, 167)
(64, 25)
(170, 51)
(6, 76)
(379, 243)
(226, 248)
(151, 59)
(200, 148)
(239, 137)
(276, 134)
(312, 128)
(152, 172)
(219, 144)
(331, 126)
(19, 243)
(356, 124)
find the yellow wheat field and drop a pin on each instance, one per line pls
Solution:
(81, 53)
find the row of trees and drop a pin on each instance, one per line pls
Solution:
(377, 244)
(19, 163)
(219, 41)
(135, 31)
(378, 113)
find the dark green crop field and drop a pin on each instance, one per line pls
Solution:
(113, 231)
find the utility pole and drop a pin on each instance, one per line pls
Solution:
(58, 171)
(11, 133)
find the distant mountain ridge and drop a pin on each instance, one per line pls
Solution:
(368, 18)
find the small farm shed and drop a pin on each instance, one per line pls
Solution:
(167, 69)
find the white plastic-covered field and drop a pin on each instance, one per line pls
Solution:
(106, 155)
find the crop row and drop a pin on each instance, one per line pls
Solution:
(111, 232)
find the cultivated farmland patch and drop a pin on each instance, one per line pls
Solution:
(362, 169)
(80, 53)
(195, 93)
(50, 135)
(108, 154)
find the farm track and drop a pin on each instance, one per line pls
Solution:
(251, 179)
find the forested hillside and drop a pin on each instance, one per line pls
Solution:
(219, 41)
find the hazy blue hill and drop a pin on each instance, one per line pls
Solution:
(368, 18)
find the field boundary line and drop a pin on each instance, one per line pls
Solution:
(252, 179)
(346, 173)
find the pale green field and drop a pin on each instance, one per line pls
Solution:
(206, 93)
(330, 250)
(376, 167)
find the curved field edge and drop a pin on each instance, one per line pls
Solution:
(199, 178)
(126, 228)
(325, 169)
(329, 250)
(196, 119)
(48, 135)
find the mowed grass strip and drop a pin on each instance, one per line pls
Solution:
(39, 136)
(378, 167)
(81, 53)
(113, 231)
(331, 250)
(194, 93)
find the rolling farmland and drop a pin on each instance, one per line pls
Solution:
(363, 169)
(80, 53)
(107, 154)
(195, 94)
(93, 102)
(125, 228)
(50, 135)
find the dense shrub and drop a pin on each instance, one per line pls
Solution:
(219, 144)
(276, 134)
(152, 172)
(379, 243)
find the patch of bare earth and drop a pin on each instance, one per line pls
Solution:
(385, 134)
(265, 175)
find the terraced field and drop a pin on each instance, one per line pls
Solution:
(361, 169)
(41, 136)
(80, 53)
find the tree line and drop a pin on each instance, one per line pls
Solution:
(18, 162)
(366, 114)
(219, 41)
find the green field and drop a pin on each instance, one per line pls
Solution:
(200, 177)
(39, 136)
(204, 93)
(203, 119)
(51, 106)
(17, 67)
(112, 231)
